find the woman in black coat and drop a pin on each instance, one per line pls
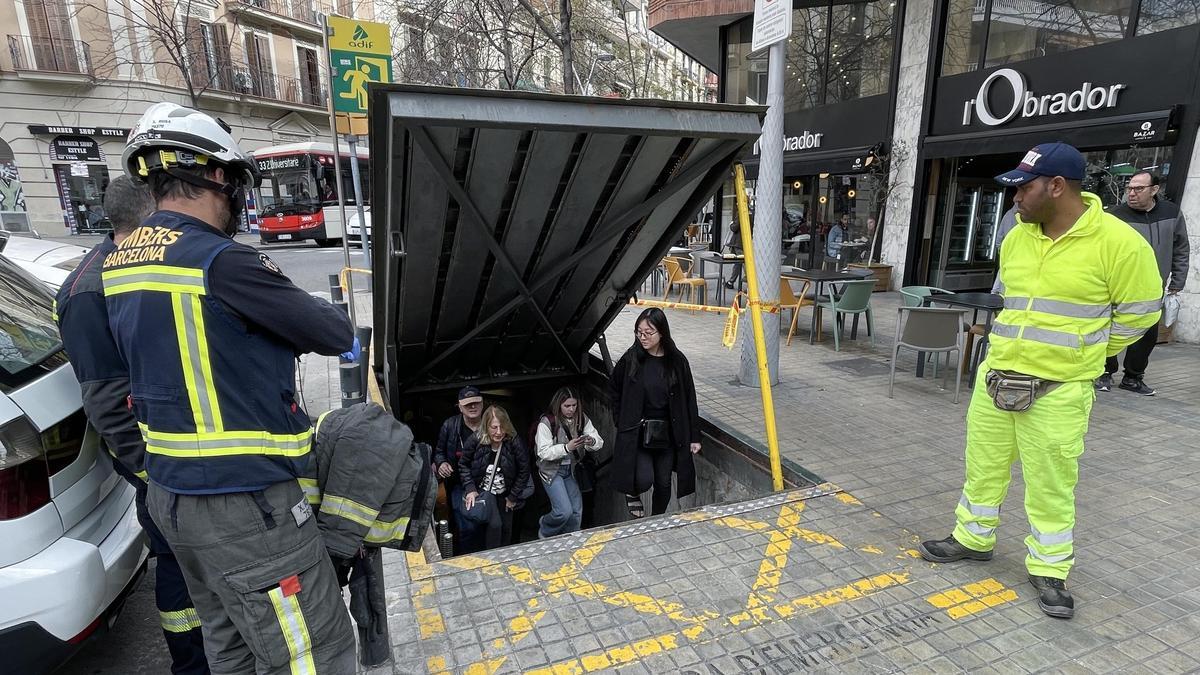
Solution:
(653, 381)
(495, 466)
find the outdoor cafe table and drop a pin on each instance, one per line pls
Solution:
(721, 260)
(988, 303)
(819, 279)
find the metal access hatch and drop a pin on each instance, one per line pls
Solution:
(509, 228)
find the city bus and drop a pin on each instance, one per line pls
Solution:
(298, 199)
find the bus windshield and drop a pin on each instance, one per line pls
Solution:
(289, 185)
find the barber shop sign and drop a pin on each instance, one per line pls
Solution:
(1026, 103)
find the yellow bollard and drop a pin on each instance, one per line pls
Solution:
(760, 345)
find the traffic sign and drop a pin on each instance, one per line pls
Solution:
(361, 52)
(772, 23)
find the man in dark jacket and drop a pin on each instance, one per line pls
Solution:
(1161, 223)
(456, 432)
(104, 383)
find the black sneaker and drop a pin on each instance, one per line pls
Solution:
(1053, 597)
(1104, 382)
(1136, 385)
(949, 550)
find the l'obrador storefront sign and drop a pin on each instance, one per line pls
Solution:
(1102, 96)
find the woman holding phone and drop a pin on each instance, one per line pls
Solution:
(654, 407)
(564, 436)
(495, 471)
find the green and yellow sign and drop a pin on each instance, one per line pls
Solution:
(361, 52)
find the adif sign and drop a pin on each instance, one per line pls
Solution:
(1029, 104)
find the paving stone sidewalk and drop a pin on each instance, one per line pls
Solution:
(709, 593)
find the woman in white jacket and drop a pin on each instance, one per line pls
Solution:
(563, 437)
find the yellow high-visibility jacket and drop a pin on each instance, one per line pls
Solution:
(1070, 303)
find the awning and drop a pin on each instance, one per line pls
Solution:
(839, 161)
(526, 221)
(1148, 128)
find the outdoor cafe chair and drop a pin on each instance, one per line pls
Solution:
(855, 298)
(793, 301)
(931, 329)
(677, 276)
(914, 296)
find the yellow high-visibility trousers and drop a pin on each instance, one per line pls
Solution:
(1048, 440)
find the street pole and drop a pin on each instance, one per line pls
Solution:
(768, 231)
(352, 141)
(337, 169)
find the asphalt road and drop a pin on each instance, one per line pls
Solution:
(135, 644)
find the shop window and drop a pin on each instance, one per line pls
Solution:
(13, 215)
(1008, 31)
(1109, 171)
(1021, 30)
(835, 53)
(966, 28)
(1159, 15)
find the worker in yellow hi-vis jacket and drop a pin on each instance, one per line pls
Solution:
(1079, 285)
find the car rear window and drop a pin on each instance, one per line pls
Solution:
(29, 340)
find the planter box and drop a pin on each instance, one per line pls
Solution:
(881, 272)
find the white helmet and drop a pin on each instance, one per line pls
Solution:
(169, 135)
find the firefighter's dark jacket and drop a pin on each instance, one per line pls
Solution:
(374, 486)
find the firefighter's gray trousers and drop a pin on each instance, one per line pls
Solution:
(261, 581)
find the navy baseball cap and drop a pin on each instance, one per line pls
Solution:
(1047, 159)
(470, 394)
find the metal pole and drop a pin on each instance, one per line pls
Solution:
(352, 140)
(768, 211)
(337, 167)
(756, 319)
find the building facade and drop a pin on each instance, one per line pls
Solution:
(899, 113)
(77, 74)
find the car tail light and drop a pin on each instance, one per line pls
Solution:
(24, 473)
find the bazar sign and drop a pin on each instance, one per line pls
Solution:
(42, 129)
(1028, 104)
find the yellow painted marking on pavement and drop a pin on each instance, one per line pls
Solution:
(847, 498)
(912, 552)
(436, 665)
(972, 598)
(623, 654)
(872, 549)
(749, 525)
(429, 619)
(770, 570)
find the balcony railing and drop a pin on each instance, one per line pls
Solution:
(251, 82)
(295, 9)
(49, 55)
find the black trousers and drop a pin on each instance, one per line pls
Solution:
(659, 465)
(499, 527)
(1137, 355)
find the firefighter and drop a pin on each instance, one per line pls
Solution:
(104, 381)
(1079, 285)
(209, 330)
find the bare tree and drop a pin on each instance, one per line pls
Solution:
(166, 34)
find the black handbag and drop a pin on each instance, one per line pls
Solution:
(585, 473)
(656, 435)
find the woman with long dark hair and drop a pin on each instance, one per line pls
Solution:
(564, 436)
(654, 407)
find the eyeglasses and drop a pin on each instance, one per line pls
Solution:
(1136, 189)
(646, 333)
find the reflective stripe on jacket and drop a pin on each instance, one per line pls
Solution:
(370, 485)
(1070, 303)
(214, 398)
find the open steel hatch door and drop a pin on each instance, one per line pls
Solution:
(510, 228)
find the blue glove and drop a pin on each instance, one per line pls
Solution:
(355, 351)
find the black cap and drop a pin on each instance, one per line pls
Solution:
(470, 394)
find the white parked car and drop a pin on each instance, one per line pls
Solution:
(72, 548)
(354, 226)
(49, 261)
